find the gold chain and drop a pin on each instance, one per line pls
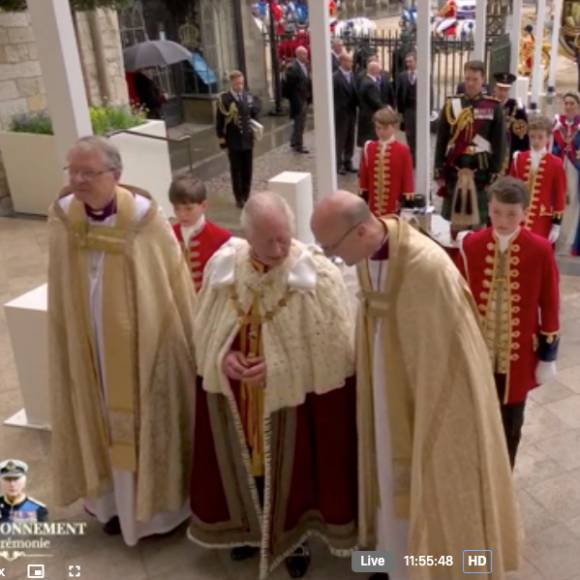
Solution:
(248, 318)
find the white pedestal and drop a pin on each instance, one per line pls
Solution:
(521, 89)
(28, 329)
(296, 189)
(146, 162)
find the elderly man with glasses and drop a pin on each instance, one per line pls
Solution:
(434, 476)
(274, 457)
(121, 368)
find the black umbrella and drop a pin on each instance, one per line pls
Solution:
(152, 53)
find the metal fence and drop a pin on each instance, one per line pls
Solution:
(448, 57)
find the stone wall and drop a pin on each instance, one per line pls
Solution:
(21, 85)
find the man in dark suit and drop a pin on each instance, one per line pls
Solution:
(407, 102)
(387, 87)
(235, 109)
(299, 90)
(345, 106)
(337, 47)
(370, 101)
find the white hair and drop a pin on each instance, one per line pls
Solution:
(94, 143)
(261, 206)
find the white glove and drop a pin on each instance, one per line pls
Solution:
(545, 371)
(554, 234)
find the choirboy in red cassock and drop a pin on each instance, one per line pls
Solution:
(386, 175)
(200, 247)
(518, 299)
(547, 190)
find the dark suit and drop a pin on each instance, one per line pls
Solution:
(370, 102)
(407, 107)
(299, 87)
(345, 106)
(235, 134)
(387, 90)
(334, 61)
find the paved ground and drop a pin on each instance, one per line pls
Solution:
(547, 474)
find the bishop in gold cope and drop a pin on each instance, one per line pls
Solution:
(434, 476)
(274, 457)
(121, 368)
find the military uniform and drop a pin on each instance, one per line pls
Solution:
(516, 122)
(25, 509)
(471, 146)
(234, 132)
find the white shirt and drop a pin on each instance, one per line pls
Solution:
(385, 143)
(536, 158)
(187, 232)
(504, 240)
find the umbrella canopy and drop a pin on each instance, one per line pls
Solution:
(153, 53)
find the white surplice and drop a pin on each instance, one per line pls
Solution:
(392, 533)
(121, 501)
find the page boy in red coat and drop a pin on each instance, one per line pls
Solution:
(513, 276)
(199, 238)
(545, 176)
(386, 167)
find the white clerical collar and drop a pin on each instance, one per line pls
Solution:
(505, 239)
(187, 232)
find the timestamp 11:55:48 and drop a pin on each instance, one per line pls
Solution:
(429, 561)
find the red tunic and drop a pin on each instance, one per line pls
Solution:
(449, 10)
(201, 248)
(547, 189)
(529, 286)
(386, 175)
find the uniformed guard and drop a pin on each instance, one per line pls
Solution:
(471, 145)
(516, 118)
(236, 127)
(15, 506)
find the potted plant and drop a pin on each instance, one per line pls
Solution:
(32, 165)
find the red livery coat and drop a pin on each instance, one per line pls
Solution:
(547, 190)
(201, 247)
(386, 175)
(531, 284)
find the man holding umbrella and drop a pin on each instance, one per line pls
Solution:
(147, 55)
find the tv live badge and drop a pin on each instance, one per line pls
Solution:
(477, 562)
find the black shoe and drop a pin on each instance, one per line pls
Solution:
(342, 171)
(239, 203)
(243, 553)
(297, 564)
(301, 150)
(112, 527)
(351, 169)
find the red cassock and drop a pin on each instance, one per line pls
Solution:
(547, 187)
(386, 175)
(529, 288)
(201, 247)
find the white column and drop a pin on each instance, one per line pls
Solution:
(326, 181)
(424, 163)
(296, 188)
(62, 75)
(556, 25)
(516, 34)
(480, 29)
(537, 73)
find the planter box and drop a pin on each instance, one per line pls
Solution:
(35, 177)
